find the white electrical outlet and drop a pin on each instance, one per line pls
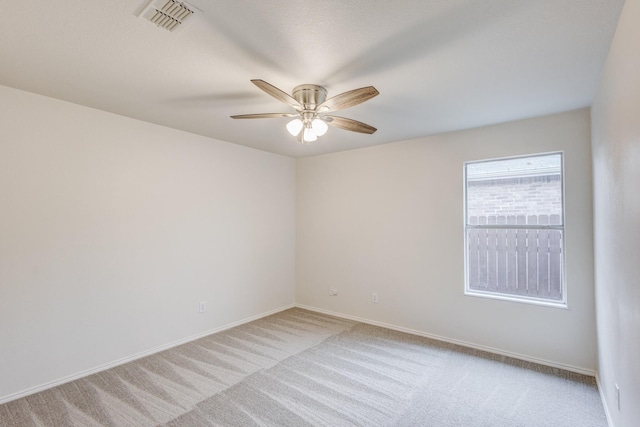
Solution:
(617, 396)
(333, 292)
(374, 297)
(203, 306)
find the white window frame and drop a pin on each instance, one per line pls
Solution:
(466, 226)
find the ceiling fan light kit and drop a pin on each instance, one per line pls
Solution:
(310, 102)
(313, 128)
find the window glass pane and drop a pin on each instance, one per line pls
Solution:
(525, 190)
(518, 262)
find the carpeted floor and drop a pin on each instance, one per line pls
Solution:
(300, 368)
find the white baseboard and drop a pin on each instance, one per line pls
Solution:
(604, 402)
(42, 387)
(544, 362)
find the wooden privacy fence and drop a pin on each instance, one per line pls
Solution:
(517, 259)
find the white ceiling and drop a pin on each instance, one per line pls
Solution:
(440, 65)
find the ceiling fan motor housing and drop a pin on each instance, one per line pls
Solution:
(310, 96)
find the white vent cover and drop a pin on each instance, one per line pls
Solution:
(168, 14)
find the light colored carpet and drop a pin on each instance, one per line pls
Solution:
(300, 368)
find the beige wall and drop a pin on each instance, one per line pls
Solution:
(389, 219)
(616, 158)
(112, 230)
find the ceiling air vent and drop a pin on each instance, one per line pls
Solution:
(168, 14)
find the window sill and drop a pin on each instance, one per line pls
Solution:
(518, 299)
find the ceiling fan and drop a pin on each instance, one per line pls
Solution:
(312, 109)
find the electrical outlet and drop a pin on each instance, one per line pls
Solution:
(617, 396)
(374, 297)
(202, 307)
(333, 292)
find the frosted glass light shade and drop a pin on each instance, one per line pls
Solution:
(294, 126)
(319, 127)
(309, 135)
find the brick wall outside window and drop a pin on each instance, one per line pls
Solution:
(536, 195)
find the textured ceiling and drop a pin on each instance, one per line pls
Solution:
(440, 65)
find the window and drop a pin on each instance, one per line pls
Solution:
(514, 228)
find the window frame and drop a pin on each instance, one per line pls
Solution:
(466, 226)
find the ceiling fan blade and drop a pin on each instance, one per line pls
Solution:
(264, 116)
(348, 99)
(277, 93)
(349, 124)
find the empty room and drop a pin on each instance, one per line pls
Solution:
(320, 213)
